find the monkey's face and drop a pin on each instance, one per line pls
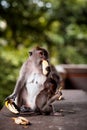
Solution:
(40, 58)
(39, 54)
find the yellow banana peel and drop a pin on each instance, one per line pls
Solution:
(12, 106)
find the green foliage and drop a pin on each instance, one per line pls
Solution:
(58, 25)
(10, 62)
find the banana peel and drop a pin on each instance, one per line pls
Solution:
(12, 106)
(21, 120)
(59, 93)
(44, 66)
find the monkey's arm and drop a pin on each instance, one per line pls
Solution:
(19, 84)
(18, 87)
(51, 100)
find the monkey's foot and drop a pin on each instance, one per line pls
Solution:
(25, 109)
(57, 114)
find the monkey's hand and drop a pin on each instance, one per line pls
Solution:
(12, 96)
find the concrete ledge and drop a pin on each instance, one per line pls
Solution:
(75, 100)
(72, 100)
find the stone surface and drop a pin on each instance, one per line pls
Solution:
(73, 117)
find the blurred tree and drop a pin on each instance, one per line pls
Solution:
(54, 24)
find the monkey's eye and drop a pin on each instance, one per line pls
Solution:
(30, 53)
(41, 53)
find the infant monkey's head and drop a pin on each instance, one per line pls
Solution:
(50, 86)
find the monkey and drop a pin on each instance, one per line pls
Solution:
(49, 94)
(35, 89)
(44, 96)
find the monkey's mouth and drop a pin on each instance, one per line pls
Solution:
(45, 67)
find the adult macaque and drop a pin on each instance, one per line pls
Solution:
(37, 83)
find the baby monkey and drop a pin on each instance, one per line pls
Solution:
(47, 96)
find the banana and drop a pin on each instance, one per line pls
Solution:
(21, 120)
(12, 106)
(44, 66)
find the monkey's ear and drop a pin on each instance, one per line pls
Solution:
(30, 53)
